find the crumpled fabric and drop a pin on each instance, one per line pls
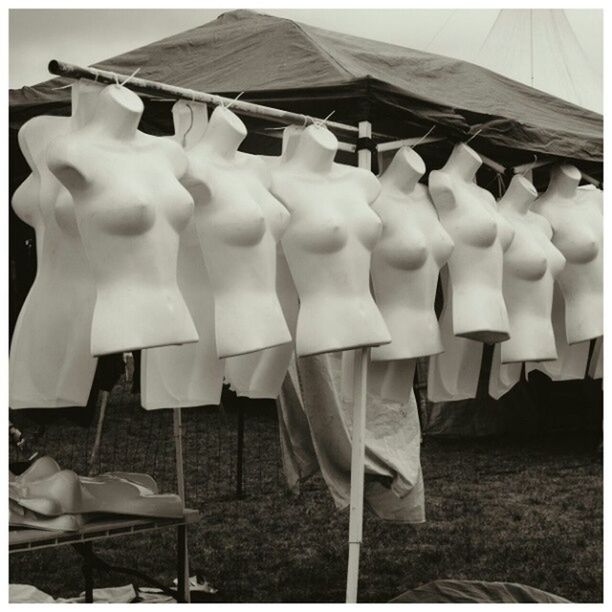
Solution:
(315, 432)
(476, 591)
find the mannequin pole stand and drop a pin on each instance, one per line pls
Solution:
(183, 595)
(360, 379)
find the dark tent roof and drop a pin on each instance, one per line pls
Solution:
(402, 91)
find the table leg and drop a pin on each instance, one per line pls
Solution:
(87, 553)
(182, 575)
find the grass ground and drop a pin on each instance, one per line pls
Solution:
(525, 511)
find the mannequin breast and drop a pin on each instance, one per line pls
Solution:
(405, 268)
(531, 264)
(328, 246)
(239, 223)
(578, 234)
(130, 208)
(468, 214)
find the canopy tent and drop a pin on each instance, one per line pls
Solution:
(288, 65)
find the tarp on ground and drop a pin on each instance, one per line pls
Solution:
(292, 65)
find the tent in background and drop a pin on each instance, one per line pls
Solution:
(537, 47)
(297, 67)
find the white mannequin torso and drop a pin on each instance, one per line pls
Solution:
(406, 261)
(50, 362)
(130, 208)
(261, 374)
(531, 264)
(328, 246)
(190, 374)
(468, 214)
(578, 234)
(239, 223)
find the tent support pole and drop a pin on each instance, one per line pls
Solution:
(358, 431)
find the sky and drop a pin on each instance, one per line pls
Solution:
(86, 36)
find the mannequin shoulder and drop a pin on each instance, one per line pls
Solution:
(540, 223)
(260, 168)
(64, 150)
(36, 134)
(175, 153)
(64, 157)
(366, 179)
(441, 189)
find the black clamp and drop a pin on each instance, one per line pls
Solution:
(365, 143)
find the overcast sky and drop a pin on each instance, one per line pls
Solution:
(87, 36)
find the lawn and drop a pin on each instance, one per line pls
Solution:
(528, 511)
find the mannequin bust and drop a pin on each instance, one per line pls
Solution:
(239, 223)
(578, 234)
(407, 259)
(190, 374)
(50, 363)
(531, 264)
(328, 246)
(468, 214)
(261, 374)
(64, 492)
(130, 208)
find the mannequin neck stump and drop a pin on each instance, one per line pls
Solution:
(316, 149)
(404, 171)
(519, 195)
(118, 112)
(463, 162)
(85, 96)
(225, 132)
(564, 181)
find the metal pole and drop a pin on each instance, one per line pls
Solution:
(358, 432)
(156, 89)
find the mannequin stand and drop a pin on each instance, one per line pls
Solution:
(357, 472)
(182, 545)
(360, 380)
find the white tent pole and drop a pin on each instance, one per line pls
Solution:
(358, 431)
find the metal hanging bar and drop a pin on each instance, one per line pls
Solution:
(153, 88)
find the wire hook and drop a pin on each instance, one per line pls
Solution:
(473, 136)
(130, 77)
(416, 144)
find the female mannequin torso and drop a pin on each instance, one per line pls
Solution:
(530, 266)
(239, 223)
(328, 246)
(406, 261)
(578, 234)
(468, 214)
(261, 374)
(191, 374)
(50, 362)
(130, 209)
